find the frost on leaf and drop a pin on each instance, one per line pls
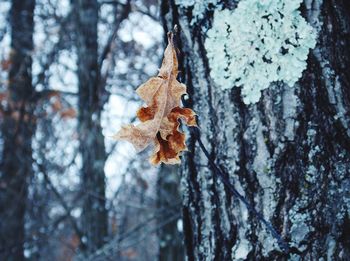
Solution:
(160, 118)
(260, 42)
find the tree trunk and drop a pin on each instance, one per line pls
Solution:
(92, 148)
(17, 130)
(288, 154)
(170, 238)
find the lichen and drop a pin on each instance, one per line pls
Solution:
(241, 249)
(300, 225)
(290, 103)
(260, 42)
(198, 7)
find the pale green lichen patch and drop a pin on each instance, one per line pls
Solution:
(198, 7)
(260, 42)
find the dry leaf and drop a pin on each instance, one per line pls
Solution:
(57, 104)
(160, 119)
(4, 96)
(69, 113)
(5, 64)
(130, 253)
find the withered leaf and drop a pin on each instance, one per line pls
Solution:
(160, 118)
(69, 113)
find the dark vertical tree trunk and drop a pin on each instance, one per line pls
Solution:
(17, 130)
(288, 154)
(168, 193)
(92, 148)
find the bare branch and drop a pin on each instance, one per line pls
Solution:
(62, 202)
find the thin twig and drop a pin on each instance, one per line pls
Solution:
(282, 244)
(116, 243)
(63, 203)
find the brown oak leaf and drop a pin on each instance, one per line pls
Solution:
(160, 118)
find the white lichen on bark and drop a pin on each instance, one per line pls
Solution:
(198, 7)
(260, 42)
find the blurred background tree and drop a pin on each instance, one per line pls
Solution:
(18, 127)
(67, 191)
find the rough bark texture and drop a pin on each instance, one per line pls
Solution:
(92, 148)
(171, 246)
(17, 130)
(288, 154)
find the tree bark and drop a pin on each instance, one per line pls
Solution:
(92, 148)
(17, 130)
(168, 193)
(302, 132)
